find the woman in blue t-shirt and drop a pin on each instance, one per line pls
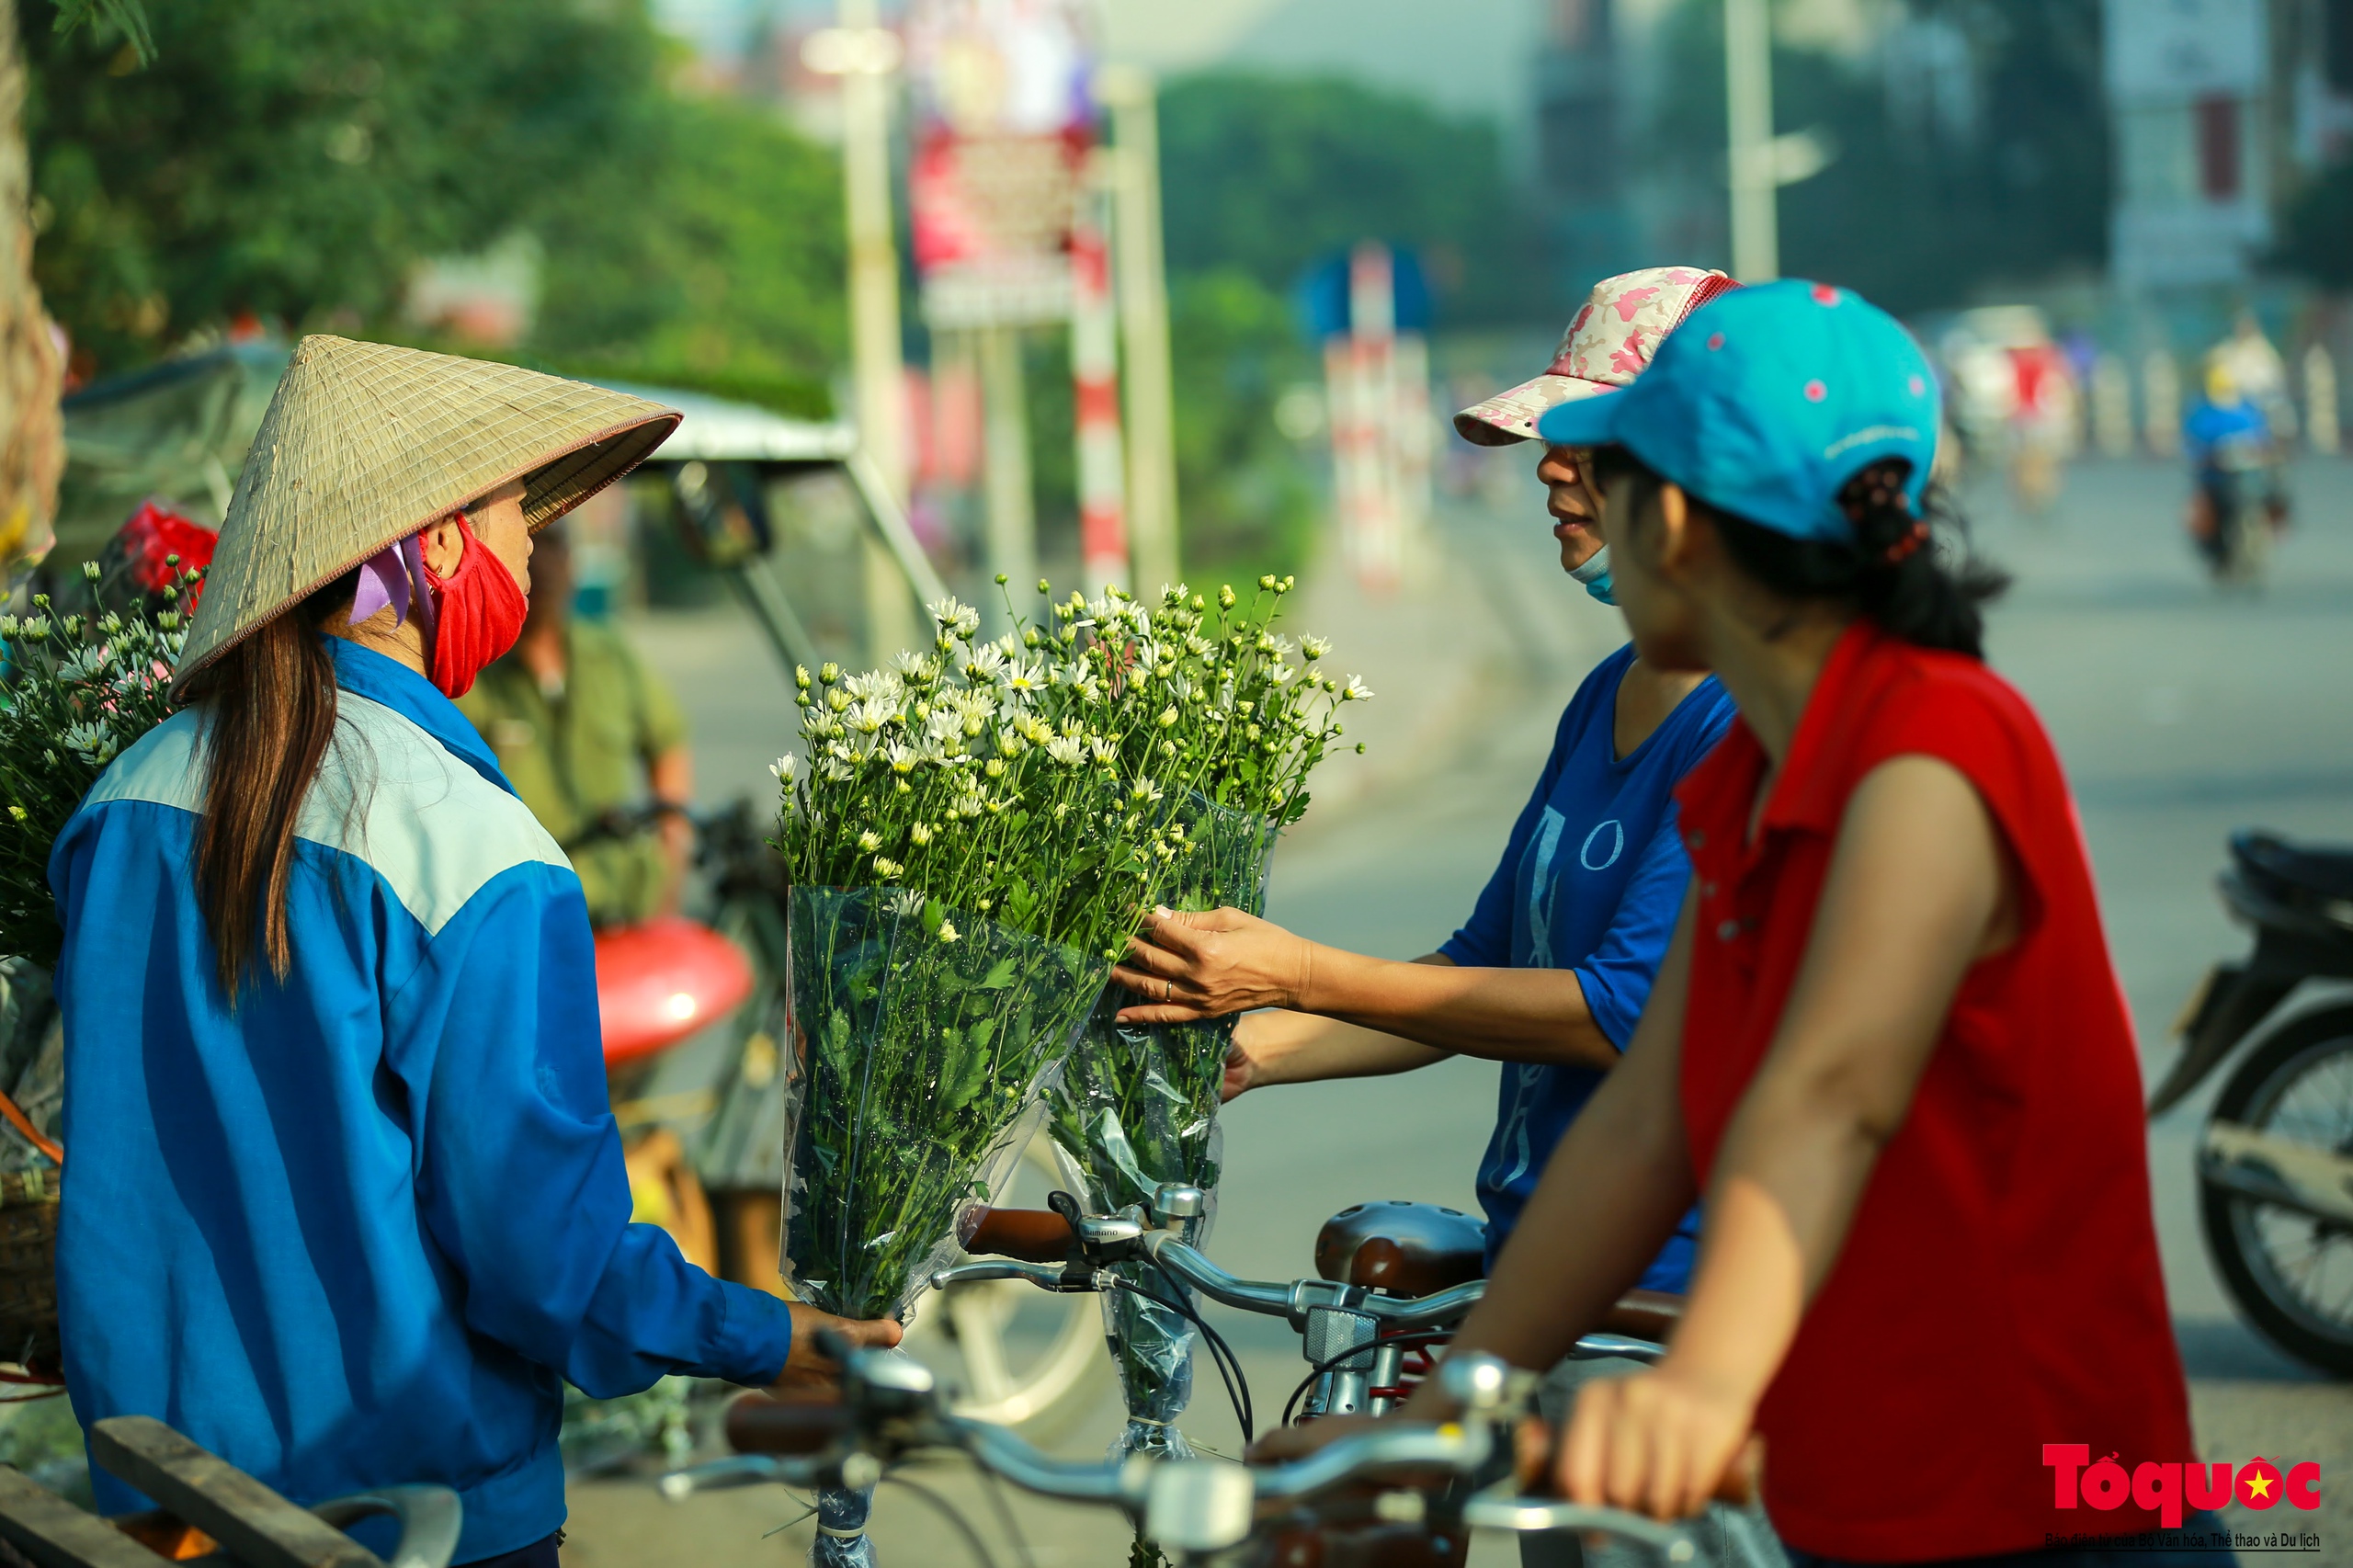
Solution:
(1551, 971)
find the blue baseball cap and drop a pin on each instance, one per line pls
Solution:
(1768, 400)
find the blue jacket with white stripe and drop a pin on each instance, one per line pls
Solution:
(361, 1229)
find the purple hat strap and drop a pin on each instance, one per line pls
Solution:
(394, 576)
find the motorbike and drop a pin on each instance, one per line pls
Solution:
(2275, 1158)
(2235, 515)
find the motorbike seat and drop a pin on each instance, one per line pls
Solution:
(2291, 869)
(1404, 1248)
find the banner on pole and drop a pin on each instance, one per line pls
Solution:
(1003, 124)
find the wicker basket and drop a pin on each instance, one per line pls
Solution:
(29, 1270)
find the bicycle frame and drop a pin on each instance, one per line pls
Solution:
(1354, 1339)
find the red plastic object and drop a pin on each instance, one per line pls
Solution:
(658, 983)
(154, 534)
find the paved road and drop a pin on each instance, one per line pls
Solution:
(2179, 713)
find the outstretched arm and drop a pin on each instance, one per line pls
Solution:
(1274, 1045)
(1188, 966)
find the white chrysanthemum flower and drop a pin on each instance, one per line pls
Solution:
(1066, 750)
(1167, 719)
(869, 841)
(1022, 683)
(1356, 691)
(902, 757)
(948, 931)
(869, 716)
(876, 686)
(954, 619)
(1145, 790)
(1315, 647)
(911, 666)
(1103, 749)
(838, 771)
(945, 724)
(921, 833)
(1283, 675)
(93, 740)
(984, 663)
(786, 769)
(886, 868)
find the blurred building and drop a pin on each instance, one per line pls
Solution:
(2220, 109)
(1580, 114)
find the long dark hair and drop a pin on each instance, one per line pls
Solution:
(1911, 574)
(269, 714)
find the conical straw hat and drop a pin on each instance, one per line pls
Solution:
(365, 443)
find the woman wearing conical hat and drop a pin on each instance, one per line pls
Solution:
(348, 1204)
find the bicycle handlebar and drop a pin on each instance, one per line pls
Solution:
(889, 1407)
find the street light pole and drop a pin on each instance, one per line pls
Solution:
(1131, 98)
(863, 54)
(1748, 114)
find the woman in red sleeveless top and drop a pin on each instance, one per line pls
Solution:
(1887, 1048)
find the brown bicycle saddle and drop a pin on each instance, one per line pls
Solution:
(1417, 1249)
(1404, 1248)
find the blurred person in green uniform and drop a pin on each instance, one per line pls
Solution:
(577, 721)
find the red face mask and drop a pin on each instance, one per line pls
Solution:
(477, 616)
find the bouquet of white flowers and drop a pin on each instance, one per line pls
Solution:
(79, 688)
(1235, 716)
(968, 851)
(76, 690)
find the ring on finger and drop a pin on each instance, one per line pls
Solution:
(1167, 991)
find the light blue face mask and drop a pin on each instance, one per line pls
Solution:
(1594, 573)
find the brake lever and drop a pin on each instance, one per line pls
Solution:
(1074, 1278)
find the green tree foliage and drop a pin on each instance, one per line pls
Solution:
(710, 254)
(297, 159)
(1262, 178)
(1249, 507)
(1270, 174)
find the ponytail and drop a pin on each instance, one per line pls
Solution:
(269, 713)
(1910, 574)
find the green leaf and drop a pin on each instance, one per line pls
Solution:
(1000, 976)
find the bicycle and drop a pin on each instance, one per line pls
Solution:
(1395, 1279)
(1427, 1483)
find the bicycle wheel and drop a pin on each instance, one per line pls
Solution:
(2290, 1272)
(1018, 1355)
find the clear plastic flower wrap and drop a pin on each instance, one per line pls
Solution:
(920, 1042)
(1136, 1106)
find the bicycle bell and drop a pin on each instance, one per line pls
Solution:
(1196, 1505)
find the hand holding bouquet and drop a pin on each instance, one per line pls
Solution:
(1235, 716)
